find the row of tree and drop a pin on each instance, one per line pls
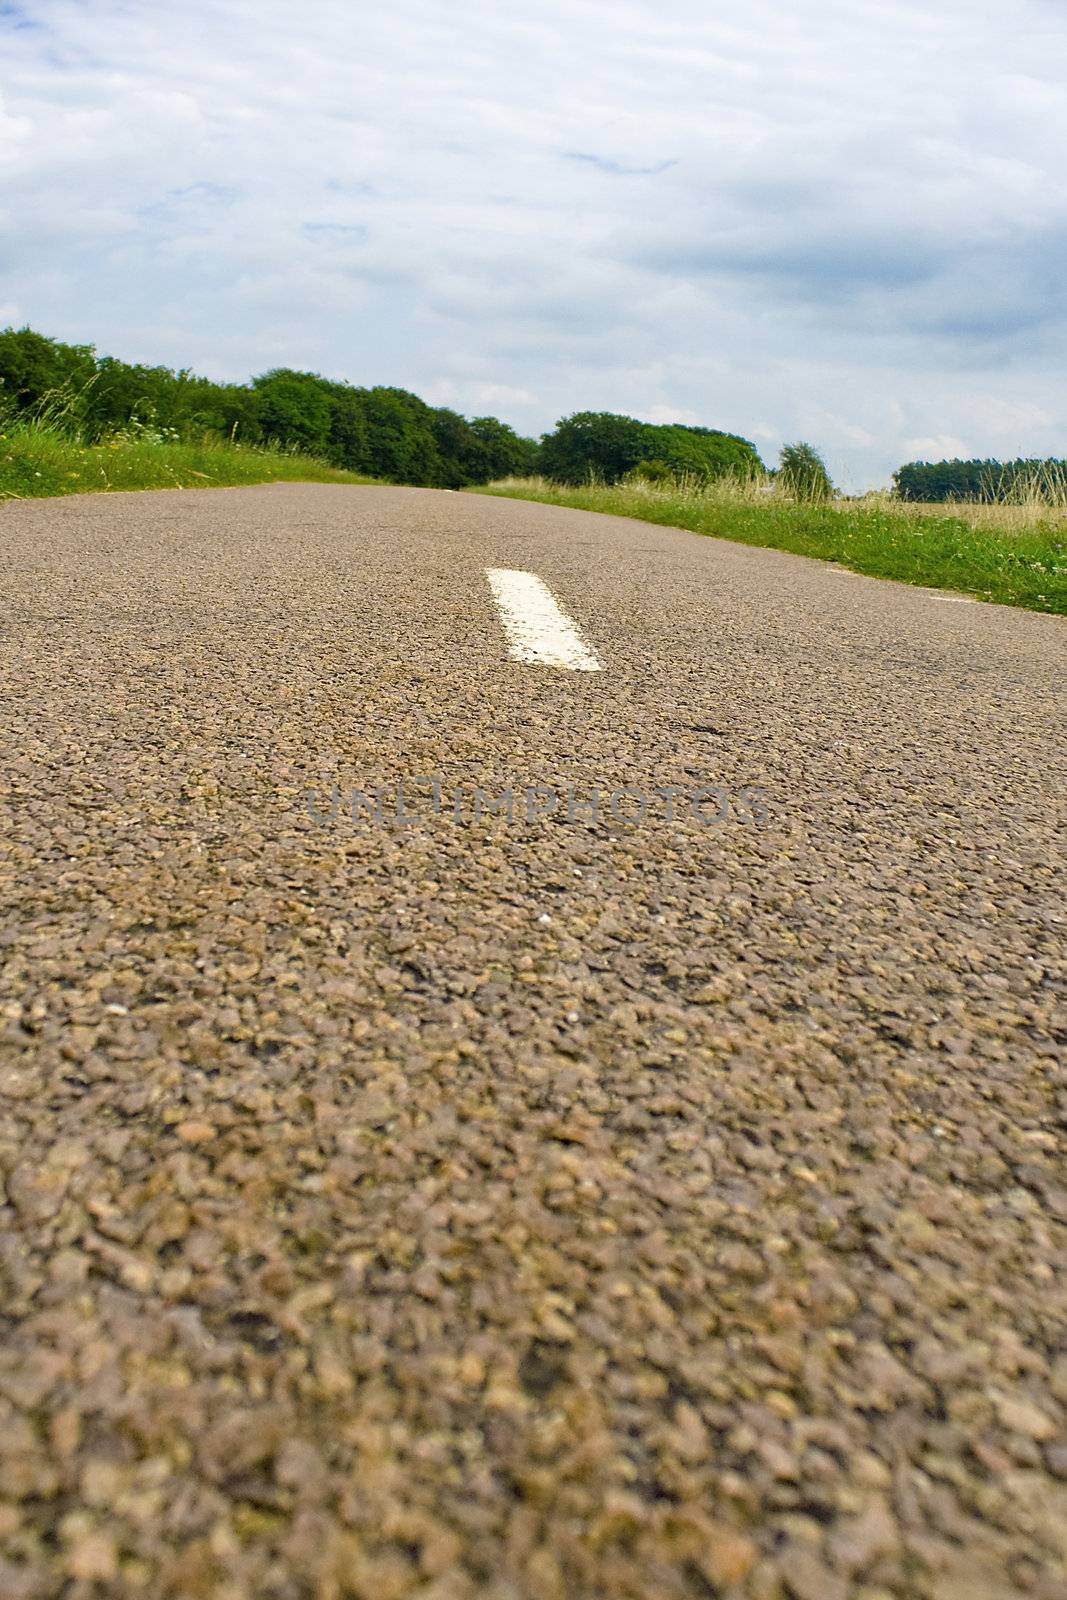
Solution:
(392, 434)
(383, 432)
(977, 480)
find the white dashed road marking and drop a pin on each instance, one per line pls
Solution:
(538, 630)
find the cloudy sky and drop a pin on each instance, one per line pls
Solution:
(844, 222)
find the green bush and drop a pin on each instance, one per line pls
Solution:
(653, 472)
(802, 473)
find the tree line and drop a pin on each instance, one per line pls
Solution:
(383, 432)
(389, 433)
(977, 480)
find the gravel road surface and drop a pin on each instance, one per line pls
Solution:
(565, 1207)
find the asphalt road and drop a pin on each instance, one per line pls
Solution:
(564, 1207)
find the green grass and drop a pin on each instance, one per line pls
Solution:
(1015, 565)
(40, 458)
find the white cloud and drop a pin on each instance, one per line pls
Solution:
(844, 220)
(939, 447)
(995, 415)
(667, 413)
(444, 392)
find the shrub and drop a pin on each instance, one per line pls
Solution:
(802, 473)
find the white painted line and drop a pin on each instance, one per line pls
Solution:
(538, 630)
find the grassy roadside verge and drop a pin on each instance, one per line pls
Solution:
(1014, 565)
(37, 460)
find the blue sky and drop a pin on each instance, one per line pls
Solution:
(843, 222)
